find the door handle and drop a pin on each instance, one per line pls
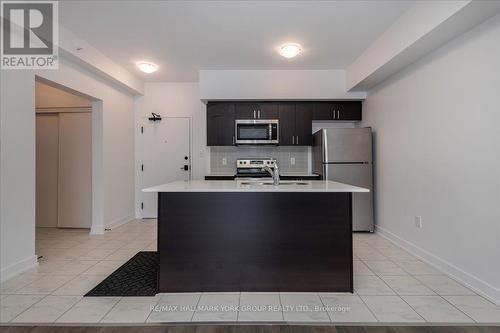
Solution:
(185, 167)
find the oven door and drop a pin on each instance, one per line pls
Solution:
(257, 131)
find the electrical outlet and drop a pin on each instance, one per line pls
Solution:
(418, 222)
(292, 160)
(224, 161)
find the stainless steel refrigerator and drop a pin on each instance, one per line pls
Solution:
(345, 155)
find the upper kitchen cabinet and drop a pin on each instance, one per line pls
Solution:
(259, 110)
(220, 124)
(246, 110)
(287, 123)
(344, 110)
(350, 110)
(268, 110)
(303, 124)
(295, 118)
(295, 124)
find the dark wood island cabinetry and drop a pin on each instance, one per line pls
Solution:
(221, 236)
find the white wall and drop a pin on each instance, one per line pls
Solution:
(275, 84)
(47, 96)
(437, 155)
(17, 173)
(174, 100)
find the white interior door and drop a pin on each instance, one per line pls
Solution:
(47, 164)
(166, 152)
(75, 170)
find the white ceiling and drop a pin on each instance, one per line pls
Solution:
(185, 36)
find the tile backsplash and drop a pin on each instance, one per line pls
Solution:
(284, 155)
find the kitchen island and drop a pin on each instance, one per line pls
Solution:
(254, 236)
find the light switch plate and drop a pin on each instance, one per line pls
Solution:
(292, 160)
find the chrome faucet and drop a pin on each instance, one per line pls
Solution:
(274, 171)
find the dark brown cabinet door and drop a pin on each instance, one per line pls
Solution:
(246, 110)
(220, 124)
(267, 111)
(343, 110)
(287, 123)
(322, 111)
(350, 110)
(303, 124)
(260, 110)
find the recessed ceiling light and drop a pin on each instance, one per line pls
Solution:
(147, 67)
(290, 50)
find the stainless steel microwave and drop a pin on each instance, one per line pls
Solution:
(257, 131)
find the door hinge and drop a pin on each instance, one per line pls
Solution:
(142, 129)
(142, 205)
(142, 167)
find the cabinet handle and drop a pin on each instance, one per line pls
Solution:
(338, 114)
(333, 114)
(297, 139)
(254, 114)
(258, 114)
(293, 139)
(233, 140)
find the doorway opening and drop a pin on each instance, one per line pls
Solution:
(63, 159)
(68, 147)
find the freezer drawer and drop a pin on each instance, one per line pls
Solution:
(362, 203)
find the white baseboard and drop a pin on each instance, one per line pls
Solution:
(18, 268)
(98, 230)
(118, 222)
(479, 286)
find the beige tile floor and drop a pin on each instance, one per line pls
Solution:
(391, 286)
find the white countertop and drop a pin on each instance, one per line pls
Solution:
(239, 186)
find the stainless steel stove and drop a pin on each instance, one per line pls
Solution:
(252, 167)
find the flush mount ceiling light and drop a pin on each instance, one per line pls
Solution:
(147, 67)
(290, 50)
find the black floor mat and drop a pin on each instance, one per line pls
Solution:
(136, 277)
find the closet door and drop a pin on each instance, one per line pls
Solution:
(75, 170)
(47, 164)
